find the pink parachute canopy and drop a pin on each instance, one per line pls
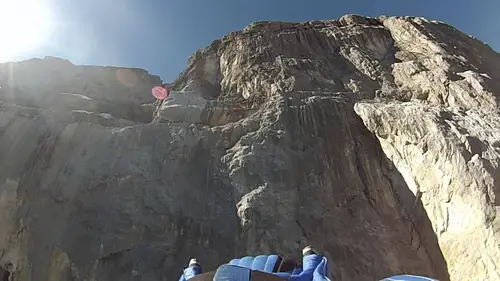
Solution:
(160, 92)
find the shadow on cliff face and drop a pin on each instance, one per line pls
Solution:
(415, 213)
(5, 273)
(352, 201)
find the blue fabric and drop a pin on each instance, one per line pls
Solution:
(408, 278)
(320, 273)
(246, 262)
(296, 271)
(234, 262)
(260, 263)
(190, 272)
(314, 267)
(271, 263)
(232, 273)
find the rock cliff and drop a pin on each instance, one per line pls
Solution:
(375, 139)
(57, 84)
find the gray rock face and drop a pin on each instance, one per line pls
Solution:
(450, 158)
(192, 107)
(376, 140)
(57, 84)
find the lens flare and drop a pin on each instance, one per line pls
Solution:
(24, 26)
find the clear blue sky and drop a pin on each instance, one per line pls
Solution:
(160, 35)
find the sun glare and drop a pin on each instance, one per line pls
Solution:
(24, 26)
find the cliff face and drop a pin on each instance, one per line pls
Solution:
(57, 84)
(375, 140)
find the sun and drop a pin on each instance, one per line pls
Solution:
(24, 26)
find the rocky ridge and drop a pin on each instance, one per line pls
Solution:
(56, 84)
(375, 139)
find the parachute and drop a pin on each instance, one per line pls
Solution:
(160, 93)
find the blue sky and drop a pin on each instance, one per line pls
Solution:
(160, 35)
